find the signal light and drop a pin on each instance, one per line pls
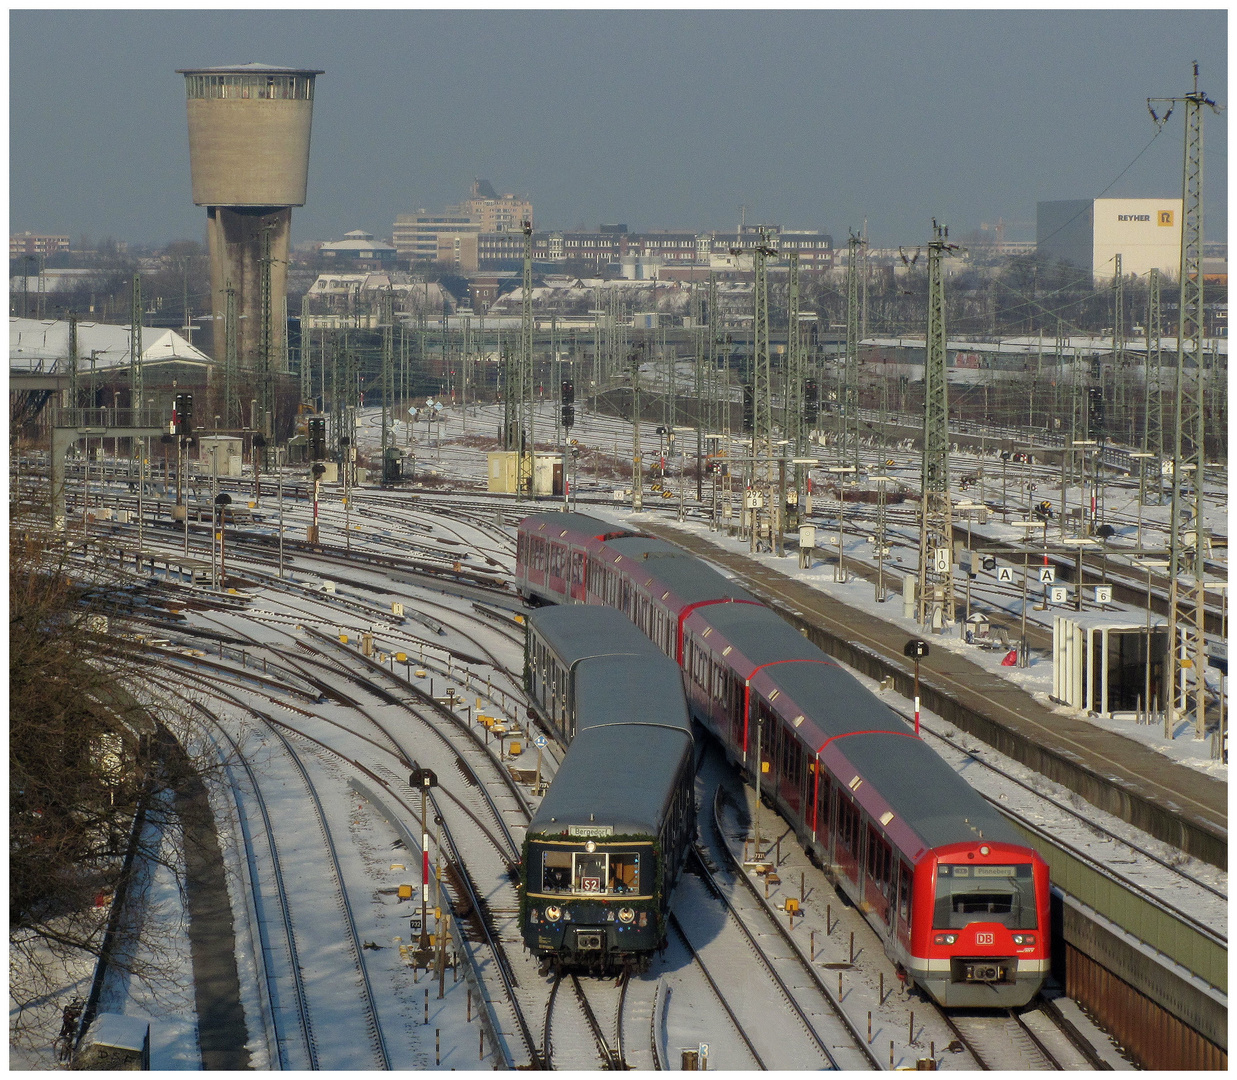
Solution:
(569, 415)
(317, 438)
(568, 392)
(182, 414)
(749, 407)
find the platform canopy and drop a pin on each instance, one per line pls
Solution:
(43, 345)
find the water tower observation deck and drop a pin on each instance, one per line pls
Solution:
(249, 128)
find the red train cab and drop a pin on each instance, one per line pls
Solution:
(980, 924)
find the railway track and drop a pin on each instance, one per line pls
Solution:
(327, 1045)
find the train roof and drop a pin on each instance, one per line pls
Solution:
(552, 522)
(620, 776)
(924, 791)
(574, 631)
(828, 695)
(634, 691)
(689, 578)
(920, 788)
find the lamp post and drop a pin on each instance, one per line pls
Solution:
(970, 507)
(1149, 565)
(1140, 456)
(839, 573)
(881, 549)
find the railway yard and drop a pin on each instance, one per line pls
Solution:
(365, 698)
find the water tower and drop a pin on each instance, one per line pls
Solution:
(249, 158)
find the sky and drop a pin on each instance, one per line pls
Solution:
(811, 119)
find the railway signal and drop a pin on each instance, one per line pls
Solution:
(221, 501)
(182, 415)
(916, 649)
(317, 438)
(424, 779)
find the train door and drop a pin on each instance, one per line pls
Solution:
(878, 871)
(579, 590)
(848, 839)
(903, 918)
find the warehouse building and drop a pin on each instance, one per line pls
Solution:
(1089, 233)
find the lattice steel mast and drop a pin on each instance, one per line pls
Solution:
(231, 364)
(266, 396)
(762, 404)
(848, 444)
(793, 424)
(1120, 377)
(390, 453)
(525, 396)
(936, 515)
(1185, 612)
(137, 386)
(306, 354)
(1153, 413)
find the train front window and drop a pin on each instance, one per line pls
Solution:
(556, 871)
(624, 874)
(590, 872)
(978, 893)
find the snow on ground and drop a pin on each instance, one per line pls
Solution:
(171, 1002)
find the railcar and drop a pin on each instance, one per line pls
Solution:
(607, 845)
(959, 899)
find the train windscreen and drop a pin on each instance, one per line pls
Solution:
(971, 893)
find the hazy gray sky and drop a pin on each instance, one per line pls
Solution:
(812, 119)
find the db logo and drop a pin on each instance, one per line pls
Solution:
(985, 939)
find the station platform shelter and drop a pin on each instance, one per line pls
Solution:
(1108, 664)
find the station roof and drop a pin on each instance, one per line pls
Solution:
(43, 345)
(252, 68)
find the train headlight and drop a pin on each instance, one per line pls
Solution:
(940, 939)
(553, 913)
(626, 914)
(1024, 939)
(984, 850)
(590, 847)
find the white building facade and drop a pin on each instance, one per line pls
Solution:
(1089, 233)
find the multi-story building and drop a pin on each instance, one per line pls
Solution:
(359, 248)
(495, 213)
(1088, 233)
(613, 244)
(29, 244)
(426, 238)
(416, 236)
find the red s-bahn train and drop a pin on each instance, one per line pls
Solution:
(961, 903)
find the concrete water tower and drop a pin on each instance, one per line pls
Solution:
(249, 158)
